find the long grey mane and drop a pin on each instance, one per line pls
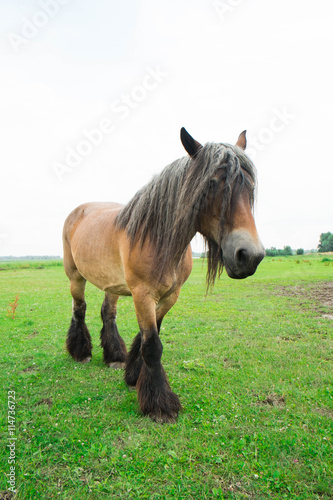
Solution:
(167, 210)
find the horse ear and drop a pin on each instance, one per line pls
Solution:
(241, 141)
(191, 145)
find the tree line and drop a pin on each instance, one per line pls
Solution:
(325, 245)
(287, 250)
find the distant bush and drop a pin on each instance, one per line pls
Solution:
(273, 252)
(300, 251)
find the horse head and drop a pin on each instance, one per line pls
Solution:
(226, 217)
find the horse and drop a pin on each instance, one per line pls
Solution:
(143, 250)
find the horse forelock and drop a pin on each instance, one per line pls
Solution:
(167, 209)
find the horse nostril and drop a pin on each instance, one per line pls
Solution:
(242, 257)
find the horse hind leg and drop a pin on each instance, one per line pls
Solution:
(78, 341)
(114, 348)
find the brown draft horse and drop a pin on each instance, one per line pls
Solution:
(143, 249)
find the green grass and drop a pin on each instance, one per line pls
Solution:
(29, 264)
(251, 362)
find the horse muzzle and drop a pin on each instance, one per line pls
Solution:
(242, 253)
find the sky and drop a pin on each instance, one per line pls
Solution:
(93, 96)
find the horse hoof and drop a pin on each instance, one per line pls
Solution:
(116, 365)
(164, 418)
(85, 360)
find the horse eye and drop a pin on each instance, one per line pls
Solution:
(212, 184)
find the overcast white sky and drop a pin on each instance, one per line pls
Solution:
(140, 70)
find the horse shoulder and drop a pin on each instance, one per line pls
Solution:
(142, 273)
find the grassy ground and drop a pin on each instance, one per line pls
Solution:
(251, 362)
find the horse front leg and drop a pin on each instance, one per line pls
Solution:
(154, 393)
(134, 359)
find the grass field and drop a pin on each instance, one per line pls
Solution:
(251, 362)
